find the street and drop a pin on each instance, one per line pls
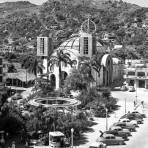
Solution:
(138, 138)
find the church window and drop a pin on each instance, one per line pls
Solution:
(85, 45)
(42, 45)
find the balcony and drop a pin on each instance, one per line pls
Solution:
(125, 76)
(134, 77)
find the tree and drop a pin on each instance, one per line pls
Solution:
(22, 42)
(86, 65)
(11, 119)
(60, 57)
(33, 64)
(75, 81)
(12, 69)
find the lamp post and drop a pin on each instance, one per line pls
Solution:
(72, 130)
(136, 85)
(2, 140)
(136, 93)
(106, 118)
(125, 105)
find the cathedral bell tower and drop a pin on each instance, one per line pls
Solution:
(44, 49)
(88, 38)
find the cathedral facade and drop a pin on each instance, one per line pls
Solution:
(83, 44)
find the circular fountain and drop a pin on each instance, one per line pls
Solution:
(54, 102)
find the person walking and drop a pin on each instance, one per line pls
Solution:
(142, 103)
(134, 103)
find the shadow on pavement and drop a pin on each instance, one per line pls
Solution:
(82, 140)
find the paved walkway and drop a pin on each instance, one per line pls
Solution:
(26, 93)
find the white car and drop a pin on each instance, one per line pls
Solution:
(125, 120)
(123, 88)
(131, 88)
(97, 145)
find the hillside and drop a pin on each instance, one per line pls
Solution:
(9, 10)
(62, 18)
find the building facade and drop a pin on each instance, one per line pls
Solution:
(83, 44)
(2, 80)
(136, 73)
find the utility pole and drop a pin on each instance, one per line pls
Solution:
(72, 130)
(125, 105)
(106, 118)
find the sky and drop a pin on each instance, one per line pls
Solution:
(143, 3)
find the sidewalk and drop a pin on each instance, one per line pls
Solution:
(27, 92)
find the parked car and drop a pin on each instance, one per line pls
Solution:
(132, 116)
(35, 138)
(120, 131)
(34, 142)
(115, 133)
(110, 139)
(97, 145)
(134, 122)
(123, 88)
(129, 126)
(131, 88)
(139, 114)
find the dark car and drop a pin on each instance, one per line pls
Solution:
(139, 114)
(124, 125)
(118, 131)
(132, 116)
(110, 139)
(36, 138)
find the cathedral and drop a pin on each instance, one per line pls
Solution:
(82, 44)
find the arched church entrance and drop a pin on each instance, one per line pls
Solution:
(53, 80)
(107, 70)
(64, 75)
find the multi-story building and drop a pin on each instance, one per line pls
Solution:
(1, 70)
(136, 73)
(2, 83)
(4, 49)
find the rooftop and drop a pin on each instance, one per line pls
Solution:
(21, 75)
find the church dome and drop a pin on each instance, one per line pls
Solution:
(74, 43)
(88, 29)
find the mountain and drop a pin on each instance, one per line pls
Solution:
(9, 10)
(61, 18)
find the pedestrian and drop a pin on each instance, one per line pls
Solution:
(13, 144)
(134, 103)
(142, 103)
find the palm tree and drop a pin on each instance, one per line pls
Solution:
(32, 64)
(59, 58)
(86, 65)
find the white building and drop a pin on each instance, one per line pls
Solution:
(82, 44)
(136, 73)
